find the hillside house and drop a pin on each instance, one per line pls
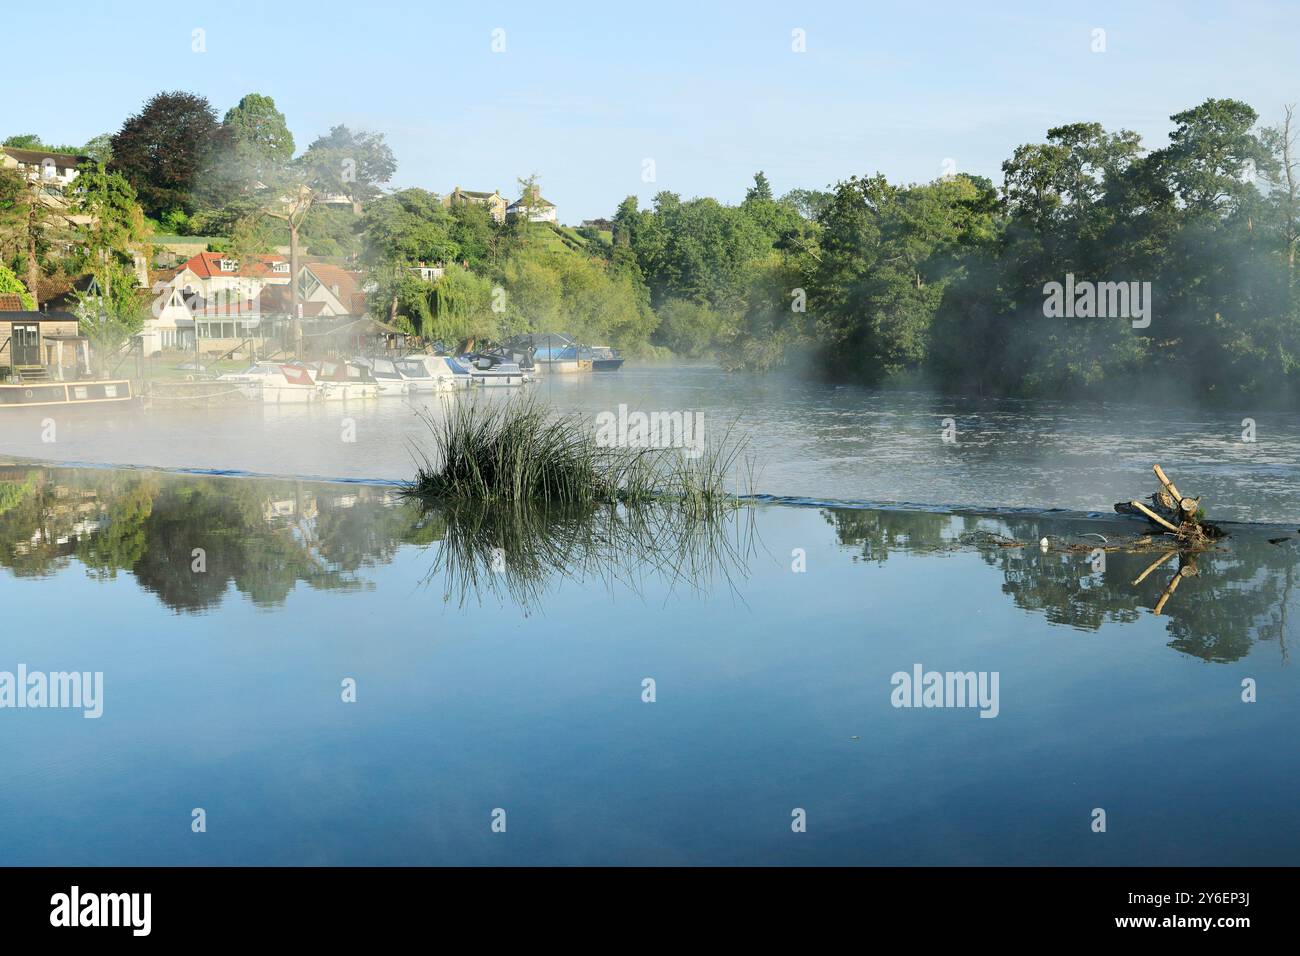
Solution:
(496, 203)
(534, 206)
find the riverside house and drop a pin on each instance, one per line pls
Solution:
(40, 346)
(218, 286)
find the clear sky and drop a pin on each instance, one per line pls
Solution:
(584, 93)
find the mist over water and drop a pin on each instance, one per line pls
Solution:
(807, 439)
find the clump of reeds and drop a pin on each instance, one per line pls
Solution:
(519, 452)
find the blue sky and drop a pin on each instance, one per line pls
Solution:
(584, 93)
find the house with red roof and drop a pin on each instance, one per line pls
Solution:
(209, 273)
(226, 302)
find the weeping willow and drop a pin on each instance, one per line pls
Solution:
(459, 307)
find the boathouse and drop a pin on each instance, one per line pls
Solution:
(41, 346)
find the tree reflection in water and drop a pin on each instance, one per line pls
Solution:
(265, 537)
(1228, 598)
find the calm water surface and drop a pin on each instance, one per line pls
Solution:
(499, 663)
(808, 439)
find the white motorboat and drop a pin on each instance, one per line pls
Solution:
(340, 380)
(433, 373)
(487, 373)
(388, 377)
(274, 383)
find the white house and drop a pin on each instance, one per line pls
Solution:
(53, 171)
(42, 165)
(537, 208)
(170, 324)
(337, 291)
(225, 302)
(215, 292)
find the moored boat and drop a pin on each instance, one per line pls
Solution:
(389, 377)
(90, 392)
(278, 384)
(489, 373)
(339, 380)
(433, 373)
(605, 359)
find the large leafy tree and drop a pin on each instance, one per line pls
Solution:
(886, 256)
(114, 221)
(24, 141)
(343, 162)
(399, 232)
(166, 149)
(32, 212)
(257, 132)
(407, 227)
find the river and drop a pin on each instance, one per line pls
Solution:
(807, 440)
(333, 675)
(287, 671)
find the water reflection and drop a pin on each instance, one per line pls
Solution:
(265, 538)
(519, 554)
(189, 539)
(1217, 603)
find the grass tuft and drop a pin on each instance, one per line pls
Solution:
(521, 453)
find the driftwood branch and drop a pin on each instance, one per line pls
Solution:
(1173, 511)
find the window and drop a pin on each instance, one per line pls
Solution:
(281, 267)
(228, 265)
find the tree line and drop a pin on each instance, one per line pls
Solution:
(944, 283)
(948, 283)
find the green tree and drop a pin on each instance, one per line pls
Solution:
(12, 284)
(24, 141)
(111, 311)
(33, 214)
(257, 132)
(99, 149)
(343, 162)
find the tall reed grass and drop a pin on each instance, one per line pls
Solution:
(521, 452)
